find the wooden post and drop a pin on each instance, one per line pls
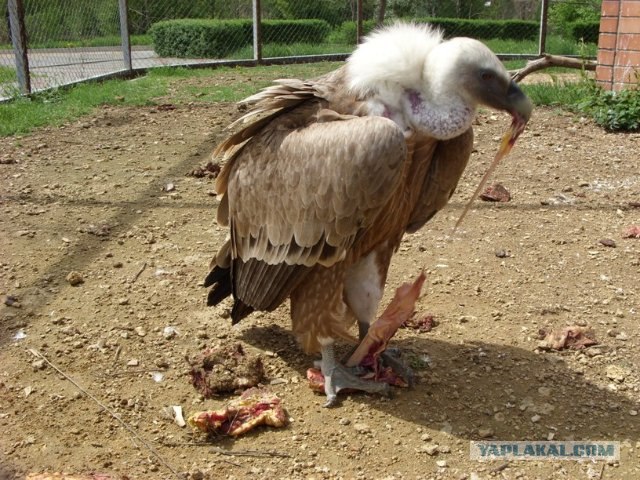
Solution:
(124, 35)
(359, 15)
(542, 40)
(257, 31)
(19, 40)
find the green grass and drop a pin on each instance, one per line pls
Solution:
(162, 85)
(7, 74)
(183, 85)
(287, 50)
(555, 94)
(555, 44)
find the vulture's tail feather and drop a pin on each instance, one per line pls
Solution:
(218, 275)
(219, 278)
(239, 311)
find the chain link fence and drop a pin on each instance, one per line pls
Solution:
(50, 43)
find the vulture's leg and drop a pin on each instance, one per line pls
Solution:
(364, 286)
(338, 377)
(320, 316)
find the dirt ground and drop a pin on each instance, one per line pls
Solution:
(90, 197)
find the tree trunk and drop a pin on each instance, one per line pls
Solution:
(381, 13)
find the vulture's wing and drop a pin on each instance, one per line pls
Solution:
(447, 164)
(299, 191)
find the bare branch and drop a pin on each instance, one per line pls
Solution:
(551, 61)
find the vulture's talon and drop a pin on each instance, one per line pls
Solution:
(338, 377)
(391, 358)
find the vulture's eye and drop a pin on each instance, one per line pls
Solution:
(487, 76)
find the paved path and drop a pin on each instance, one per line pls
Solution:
(59, 66)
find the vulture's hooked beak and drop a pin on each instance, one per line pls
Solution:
(520, 108)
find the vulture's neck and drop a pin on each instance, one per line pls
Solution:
(442, 116)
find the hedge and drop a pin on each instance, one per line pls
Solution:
(585, 31)
(189, 38)
(455, 27)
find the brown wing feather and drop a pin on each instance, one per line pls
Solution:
(447, 164)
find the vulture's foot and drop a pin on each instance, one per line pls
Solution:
(338, 377)
(391, 357)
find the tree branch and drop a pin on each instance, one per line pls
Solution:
(551, 61)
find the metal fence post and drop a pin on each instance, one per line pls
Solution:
(359, 16)
(124, 34)
(19, 40)
(542, 40)
(257, 31)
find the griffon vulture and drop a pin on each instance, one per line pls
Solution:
(327, 175)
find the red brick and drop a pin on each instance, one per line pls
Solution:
(624, 75)
(604, 74)
(608, 24)
(628, 25)
(628, 41)
(627, 58)
(610, 8)
(605, 57)
(630, 9)
(607, 40)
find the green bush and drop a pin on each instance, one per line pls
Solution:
(295, 31)
(454, 27)
(615, 111)
(585, 31)
(189, 38)
(485, 29)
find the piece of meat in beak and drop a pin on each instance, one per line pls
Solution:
(520, 108)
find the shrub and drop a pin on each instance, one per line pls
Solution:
(615, 111)
(585, 31)
(218, 38)
(295, 31)
(199, 38)
(454, 27)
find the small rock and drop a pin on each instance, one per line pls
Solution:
(169, 187)
(11, 301)
(123, 301)
(442, 463)
(134, 362)
(544, 391)
(361, 428)
(536, 418)
(485, 433)
(75, 278)
(117, 264)
(169, 332)
(616, 373)
(607, 242)
(344, 421)
(444, 449)
(501, 253)
(197, 475)
(38, 364)
(425, 437)
(431, 449)
(140, 331)
(633, 413)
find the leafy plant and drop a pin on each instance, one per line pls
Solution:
(615, 111)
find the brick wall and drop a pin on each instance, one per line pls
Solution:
(619, 44)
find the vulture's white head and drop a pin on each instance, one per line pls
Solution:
(411, 75)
